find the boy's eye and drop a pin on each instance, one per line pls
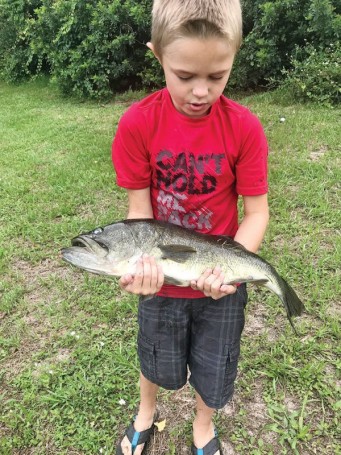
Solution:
(185, 78)
(216, 78)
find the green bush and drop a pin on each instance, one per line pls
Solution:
(274, 30)
(316, 77)
(93, 47)
(90, 48)
(17, 60)
(152, 75)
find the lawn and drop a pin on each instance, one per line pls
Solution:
(68, 366)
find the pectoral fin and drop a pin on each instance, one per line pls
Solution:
(177, 253)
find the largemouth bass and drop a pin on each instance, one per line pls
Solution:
(184, 255)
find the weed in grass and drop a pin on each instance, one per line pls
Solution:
(289, 425)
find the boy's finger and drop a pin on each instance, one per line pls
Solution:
(228, 289)
(217, 270)
(201, 280)
(153, 280)
(138, 277)
(160, 277)
(213, 282)
(125, 279)
(147, 275)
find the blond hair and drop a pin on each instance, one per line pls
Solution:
(173, 19)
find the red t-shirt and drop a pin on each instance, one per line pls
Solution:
(195, 167)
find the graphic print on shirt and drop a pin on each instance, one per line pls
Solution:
(183, 176)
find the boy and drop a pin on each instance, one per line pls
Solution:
(185, 154)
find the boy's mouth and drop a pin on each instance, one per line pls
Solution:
(198, 106)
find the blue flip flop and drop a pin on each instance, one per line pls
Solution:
(210, 448)
(137, 438)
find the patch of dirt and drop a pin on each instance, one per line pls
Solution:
(62, 356)
(256, 411)
(255, 322)
(291, 403)
(178, 410)
(36, 330)
(227, 448)
(35, 274)
(334, 309)
(316, 155)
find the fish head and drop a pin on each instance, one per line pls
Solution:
(108, 250)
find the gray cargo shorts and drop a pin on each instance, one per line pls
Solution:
(202, 335)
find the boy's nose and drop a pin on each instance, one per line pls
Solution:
(200, 91)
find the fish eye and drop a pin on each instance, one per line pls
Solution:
(97, 231)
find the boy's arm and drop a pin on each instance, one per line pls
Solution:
(250, 234)
(139, 204)
(149, 277)
(253, 226)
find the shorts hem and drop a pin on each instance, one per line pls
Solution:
(209, 402)
(162, 384)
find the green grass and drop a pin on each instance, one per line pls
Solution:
(67, 338)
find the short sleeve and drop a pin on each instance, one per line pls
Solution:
(251, 165)
(129, 151)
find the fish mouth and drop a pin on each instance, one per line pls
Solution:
(91, 246)
(88, 254)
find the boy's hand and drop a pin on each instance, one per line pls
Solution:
(211, 284)
(148, 278)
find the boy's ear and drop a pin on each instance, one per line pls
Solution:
(151, 47)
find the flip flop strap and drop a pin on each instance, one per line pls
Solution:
(210, 448)
(137, 437)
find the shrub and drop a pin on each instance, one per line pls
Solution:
(93, 47)
(316, 77)
(17, 60)
(152, 75)
(274, 30)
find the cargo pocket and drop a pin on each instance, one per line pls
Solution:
(147, 355)
(231, 351)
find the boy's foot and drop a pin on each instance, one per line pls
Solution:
(136, 436)
(211, 448)
(205, 441)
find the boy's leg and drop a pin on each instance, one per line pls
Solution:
(144, 418)
(203, 428)
(213, 360)
(148, 394)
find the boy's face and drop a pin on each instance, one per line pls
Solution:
(196, 72)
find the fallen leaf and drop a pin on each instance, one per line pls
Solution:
(160, 425)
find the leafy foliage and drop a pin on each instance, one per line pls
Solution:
(91, 48)
(274, 30)
(317, 77)
(98, 47)
(17, 60)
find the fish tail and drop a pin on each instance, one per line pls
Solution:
(291, 301)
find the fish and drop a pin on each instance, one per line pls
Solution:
(184, 254)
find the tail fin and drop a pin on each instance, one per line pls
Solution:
(292, 303)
